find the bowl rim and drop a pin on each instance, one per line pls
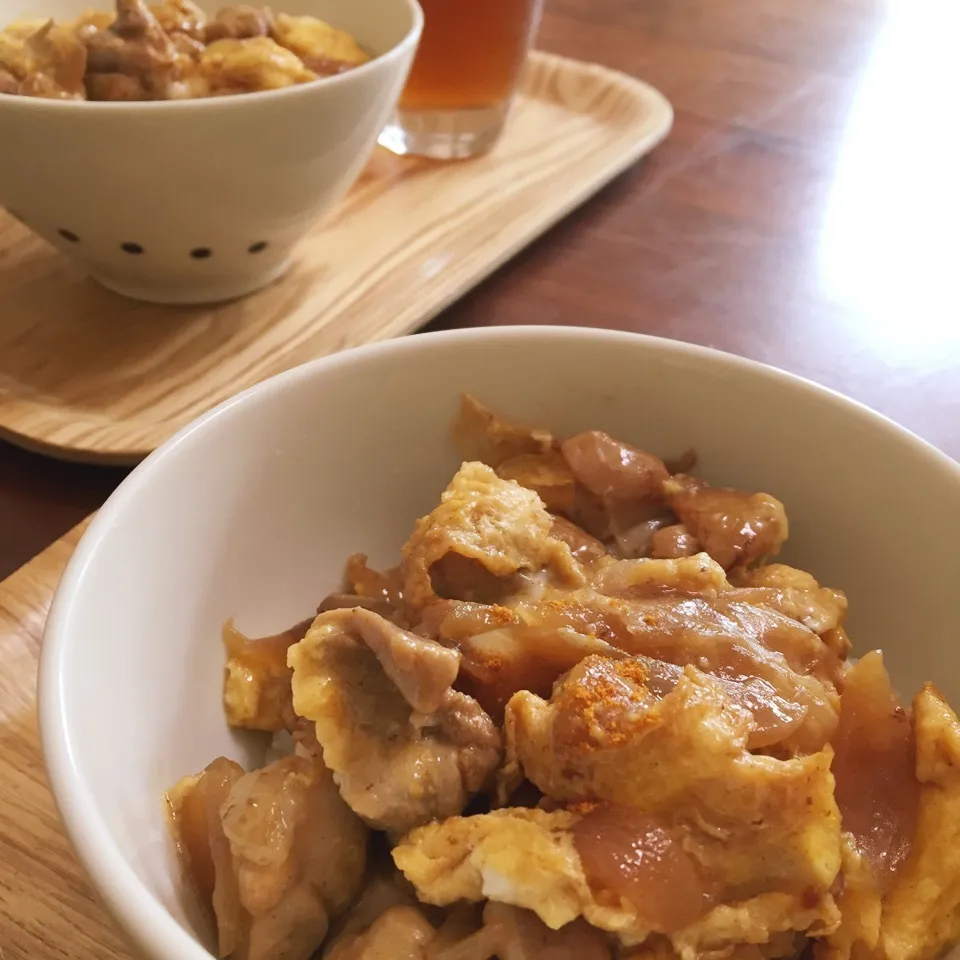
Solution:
(10, 102)
(132, 906)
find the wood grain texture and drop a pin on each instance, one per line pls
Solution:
(86, 374)
(47, 909)
(802, 212)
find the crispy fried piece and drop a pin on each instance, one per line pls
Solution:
(256, 683)
(250, 66)
(239, 22)
(632, 733)
(480, 434)
(921, 911)
(282, 849)
(397, 766)
(734, 527)
(500, 526)
(323, 48)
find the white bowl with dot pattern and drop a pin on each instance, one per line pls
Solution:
(196, 201)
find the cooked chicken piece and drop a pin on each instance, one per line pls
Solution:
(638, 734)
(384, 887)
(877, 790)
(48, 62)
(492, 530)
(421, 670)
(732, 640)
(194, 805)
(403, 752)
(734, 527)
(276, 853)
(119, 87)
(402, 933)
(480, 434)
(504, 650)
(794, 593)
(239, 22)
(921, 911)
(639, 579)
(256, 681)
(586, 549)
(614, 470)
(673, 542)
(619, 493)
(323, 48)
(547, 475)
(512, 934)
(135, 45)
(249, 66)
(629, 882)
(180, 17)
(637, 541)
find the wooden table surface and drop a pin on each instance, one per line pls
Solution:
(803, 212)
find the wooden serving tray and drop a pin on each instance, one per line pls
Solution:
(47, 907)
(88, 375)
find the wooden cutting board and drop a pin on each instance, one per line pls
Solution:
(47, 908)
(86, 374)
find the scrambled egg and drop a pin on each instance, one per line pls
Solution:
(762, 824)
(500, 525)
(528, 858)
(921, 912)
(310, 38)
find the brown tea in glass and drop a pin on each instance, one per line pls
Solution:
(463, 79)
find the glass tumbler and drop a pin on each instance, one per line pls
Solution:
(463, 79)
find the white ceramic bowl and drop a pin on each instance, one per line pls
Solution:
(138, 191)
(252, 510)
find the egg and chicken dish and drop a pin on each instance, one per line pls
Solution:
(170, 50)
(587, 717)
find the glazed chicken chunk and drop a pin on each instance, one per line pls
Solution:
(277, 853)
